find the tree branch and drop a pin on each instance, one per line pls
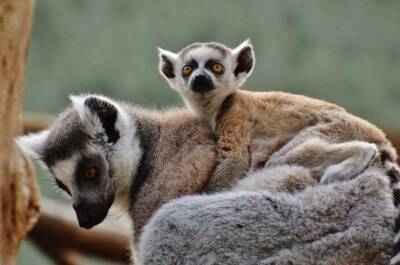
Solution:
(58, 234)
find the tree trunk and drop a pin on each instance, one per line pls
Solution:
(18, 188)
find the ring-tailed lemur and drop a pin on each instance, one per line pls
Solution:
(208, 77)
(100, 150)
(343, 223)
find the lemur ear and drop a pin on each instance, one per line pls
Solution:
(33, 143)
(244, 60)
(100, 114)
(167, 62)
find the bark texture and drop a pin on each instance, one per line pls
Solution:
(19, 199)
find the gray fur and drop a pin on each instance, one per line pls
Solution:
(286, 178)
(163, 155)
(330, 224)
(201, 53)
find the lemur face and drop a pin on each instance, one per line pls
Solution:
(91, 151)
(204, 67)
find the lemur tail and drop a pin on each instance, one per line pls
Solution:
(388, 158)
(395, 175)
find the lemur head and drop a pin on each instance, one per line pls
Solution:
(207, 67)
(92, 152)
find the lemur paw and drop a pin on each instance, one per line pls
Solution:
(373, 156)
(228, 171)
(353, 166)
(332, 174)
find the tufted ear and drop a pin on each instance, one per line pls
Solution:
(243, 61)
(101, 115)
(167, 64)
(33, 143)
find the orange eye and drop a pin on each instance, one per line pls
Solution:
(187, 70)
(217, 68)
(91, 173)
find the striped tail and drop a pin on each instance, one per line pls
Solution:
(394, 175)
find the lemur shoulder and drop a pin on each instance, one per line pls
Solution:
(209, 76)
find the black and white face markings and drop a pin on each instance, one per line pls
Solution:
(96, 191)
(91, 152)
(204, 67)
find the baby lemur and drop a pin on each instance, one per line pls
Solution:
(209, 75)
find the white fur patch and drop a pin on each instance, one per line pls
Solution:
(126, 156)
(240, 47)
(396, 238)
(33, 143)
(395, 259)
(65, 170)
(203, 54)
(89, 119)
(172, 57)
(126, 151)
(206, 105)
(242, 77)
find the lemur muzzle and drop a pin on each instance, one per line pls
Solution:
(202, 83)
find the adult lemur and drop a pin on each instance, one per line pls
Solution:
(209, 75)
(330, 224)
(100, 151)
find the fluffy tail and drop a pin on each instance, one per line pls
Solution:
(394, 174)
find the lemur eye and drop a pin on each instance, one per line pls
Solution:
(217, 68)
(187, 70)
(91, 173)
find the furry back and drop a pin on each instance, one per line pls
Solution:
(345, 223)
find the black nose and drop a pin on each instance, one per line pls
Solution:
(91, 214)
(202, 83)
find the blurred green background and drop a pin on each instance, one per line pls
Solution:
(344, 51)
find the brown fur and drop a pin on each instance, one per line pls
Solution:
(284, 178)
(266, 152)
(180, 156)
(245, 115)
(238, 116)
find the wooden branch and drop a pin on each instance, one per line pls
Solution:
(18, 188)
(36, 122)
(59, 236)
(58, 255)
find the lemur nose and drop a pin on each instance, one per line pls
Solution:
(200, 77)
(91, 214)
(202, 83)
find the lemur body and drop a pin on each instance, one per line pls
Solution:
(328, 225)
(102, 152)
(209, 75)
